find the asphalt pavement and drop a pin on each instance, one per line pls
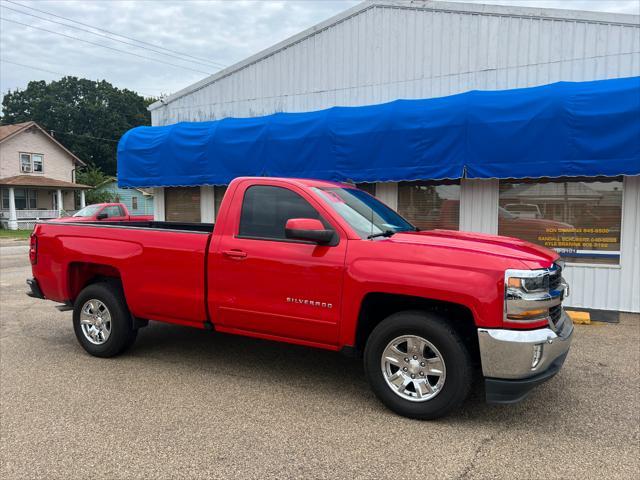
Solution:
(186, 403)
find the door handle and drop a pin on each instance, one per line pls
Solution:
(235, 254)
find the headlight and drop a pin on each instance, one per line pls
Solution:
(530, 284)
(523, 291)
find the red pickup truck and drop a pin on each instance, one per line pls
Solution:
(325, 265)
(114, 212)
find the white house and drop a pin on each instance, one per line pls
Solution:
(37, 176)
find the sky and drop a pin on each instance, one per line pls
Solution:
(185, 40)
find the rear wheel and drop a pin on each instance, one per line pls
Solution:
(417, 365)
(101, 320)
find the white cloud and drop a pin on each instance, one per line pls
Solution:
(220, 31)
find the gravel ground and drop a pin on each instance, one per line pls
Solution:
(185, 403)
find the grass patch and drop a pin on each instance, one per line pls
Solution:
(15, 234)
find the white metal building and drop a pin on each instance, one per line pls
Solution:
(384, 50)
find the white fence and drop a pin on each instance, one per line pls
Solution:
(30, 214)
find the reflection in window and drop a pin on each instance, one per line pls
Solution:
(579, 219)
(428, 205)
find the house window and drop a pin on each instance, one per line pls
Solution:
(24, 199)
(31, 162)
(429, 205)
(25, 163)
(37, 163)
(134, 203)
(581, 220)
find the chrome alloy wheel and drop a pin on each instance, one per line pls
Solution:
(413, 368)
(95, 321)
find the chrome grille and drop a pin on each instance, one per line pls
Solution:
(555, 278)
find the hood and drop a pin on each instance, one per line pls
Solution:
(531, 255)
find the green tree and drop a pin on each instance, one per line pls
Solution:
(88, 117)
(94, 176)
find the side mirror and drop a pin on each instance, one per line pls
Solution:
(310, 229)
(101, 216)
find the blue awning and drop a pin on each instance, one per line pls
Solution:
(562, 129)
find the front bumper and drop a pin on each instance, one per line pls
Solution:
(515, 361)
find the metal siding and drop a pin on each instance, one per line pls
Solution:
(385, 53)
(479, 205)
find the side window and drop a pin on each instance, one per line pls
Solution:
(265, 211)
(113, 211)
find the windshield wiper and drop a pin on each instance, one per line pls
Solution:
(386, 233)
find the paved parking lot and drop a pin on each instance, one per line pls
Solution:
(185, 403)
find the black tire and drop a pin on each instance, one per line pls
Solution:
(436, 330)
(122, 334)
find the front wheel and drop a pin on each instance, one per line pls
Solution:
(417, 365)
(101, 320)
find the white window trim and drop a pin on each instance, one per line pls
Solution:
(31, 154)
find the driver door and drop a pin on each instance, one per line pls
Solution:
(265, 283)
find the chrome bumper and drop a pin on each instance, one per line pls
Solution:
(510, 354)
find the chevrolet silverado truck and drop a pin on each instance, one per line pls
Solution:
(113, 212)
(325, 265)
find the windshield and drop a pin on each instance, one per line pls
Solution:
(87, 211)
(366, 215)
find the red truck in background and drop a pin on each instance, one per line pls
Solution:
(114, 212)
(325, 265)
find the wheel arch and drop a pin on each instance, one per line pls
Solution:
(82, 274)
(377, 306)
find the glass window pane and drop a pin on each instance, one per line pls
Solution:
(5, 198)
(265, 211)
(37, 163)
(370, 188)
(430, 206)
(33, 199)
(182, 204)
(581, 220)
(20, 195)
(25, 162)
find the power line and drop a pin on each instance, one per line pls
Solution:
(147, 94)
(110, 38)
(104, 46)
(116, 34)
(85, 136)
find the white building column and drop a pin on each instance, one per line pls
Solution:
(82, 199)
(207, 204)
(60, 206)
(479, 205)
(13, 219)
(158, 204)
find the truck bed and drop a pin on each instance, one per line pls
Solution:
(161, 264)
(156, 225)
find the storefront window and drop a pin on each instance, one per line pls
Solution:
(370, 188)
(428, 205)
(581, 220)
(182, 204)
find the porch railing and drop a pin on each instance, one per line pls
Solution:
(34, 214)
